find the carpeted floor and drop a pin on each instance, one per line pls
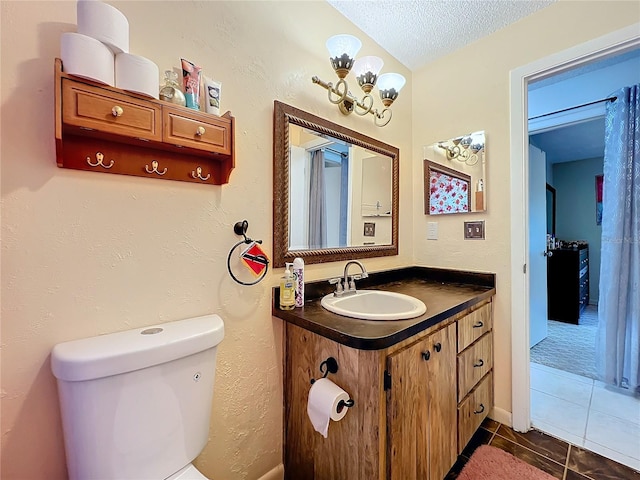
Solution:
(491, 463)
(570, 347)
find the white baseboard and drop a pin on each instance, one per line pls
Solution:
(276, 473)
(502, 416)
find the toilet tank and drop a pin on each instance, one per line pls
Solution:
(137, 404)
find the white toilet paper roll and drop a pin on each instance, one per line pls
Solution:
(322, 405)
(105, 23)
(86, 57)
(137, 74)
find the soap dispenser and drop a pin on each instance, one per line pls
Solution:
(287, 289)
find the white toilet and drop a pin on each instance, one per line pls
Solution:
(136, 405)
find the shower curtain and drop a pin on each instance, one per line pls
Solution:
(317, 208)
(618, 339)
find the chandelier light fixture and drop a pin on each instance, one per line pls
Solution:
(342, 54)
(464, 149)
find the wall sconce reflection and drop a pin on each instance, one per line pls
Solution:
(342, 54)
(464, 149)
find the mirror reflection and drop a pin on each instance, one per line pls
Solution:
(454, 175)
(335, 191)
(332, 186)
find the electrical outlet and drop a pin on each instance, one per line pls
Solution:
(474, 230)
(432, 230)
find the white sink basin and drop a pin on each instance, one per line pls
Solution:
(374, 305)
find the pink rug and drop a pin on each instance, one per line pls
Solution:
(491, 463)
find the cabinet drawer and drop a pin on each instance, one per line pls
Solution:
(474, 363)
(191, 129)
(473, 326)
(109, 112)
(474, 409)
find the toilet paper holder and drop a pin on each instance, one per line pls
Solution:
(330, 365)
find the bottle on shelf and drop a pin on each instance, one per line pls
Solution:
(170, 91)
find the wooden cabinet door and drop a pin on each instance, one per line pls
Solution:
(422, 408)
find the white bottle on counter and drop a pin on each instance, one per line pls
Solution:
(298, 271)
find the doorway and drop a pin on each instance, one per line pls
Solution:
(612, 44)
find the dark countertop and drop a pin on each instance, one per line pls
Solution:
(444, 292)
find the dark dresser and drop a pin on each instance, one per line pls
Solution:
(567, 283)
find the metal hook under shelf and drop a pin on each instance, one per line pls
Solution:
(99, 161)
(198, 174)
(154, 168)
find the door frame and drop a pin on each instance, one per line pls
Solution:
(599, 48)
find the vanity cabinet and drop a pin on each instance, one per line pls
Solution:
(417, 402)
(474, 371)
(421, 408)
(105, 129)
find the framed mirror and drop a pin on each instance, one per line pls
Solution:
(335, 191)
(455, 174)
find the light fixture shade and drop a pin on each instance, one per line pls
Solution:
(368, 64)
(390, 85)
(366, 70)
(339, 45)
(388, 81)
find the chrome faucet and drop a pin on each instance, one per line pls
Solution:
(349, 285)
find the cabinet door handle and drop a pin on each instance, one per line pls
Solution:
(479, 363)
(117, 111)
(478, 412)
(437, 347)
(479, 324)
(426, 355)
(200, 131)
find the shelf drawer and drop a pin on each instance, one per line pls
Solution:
(474, 409)
(193, 130)
(91, 108)
(474, 363)
(473, 326)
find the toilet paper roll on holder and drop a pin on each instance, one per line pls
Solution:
(330, 365)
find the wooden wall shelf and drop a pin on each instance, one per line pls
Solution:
(104, 129)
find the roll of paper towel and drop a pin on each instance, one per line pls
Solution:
(105, 23)
(322, 405)
(137, 74)
(87, 57)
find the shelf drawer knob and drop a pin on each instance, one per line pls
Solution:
(200, 131)
(117, 111)
(480, 410)
(426, 355)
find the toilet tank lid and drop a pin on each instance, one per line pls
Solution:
(121, 352)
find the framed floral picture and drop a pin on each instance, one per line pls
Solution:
(599, 182)
(446, 190)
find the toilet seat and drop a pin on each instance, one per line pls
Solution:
(187, 473)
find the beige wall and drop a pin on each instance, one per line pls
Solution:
(84, 253)
(87, 253)
(468, 91)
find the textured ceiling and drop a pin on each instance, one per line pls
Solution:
(419, 31)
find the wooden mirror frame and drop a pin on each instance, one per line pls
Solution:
(283, 115)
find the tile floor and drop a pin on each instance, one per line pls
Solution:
(556, 457)
(586, 413)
